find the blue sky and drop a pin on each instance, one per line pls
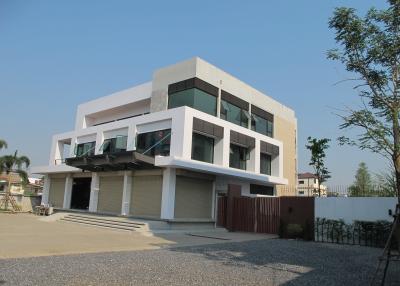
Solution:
(57, 54)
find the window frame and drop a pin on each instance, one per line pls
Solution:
(194, 135)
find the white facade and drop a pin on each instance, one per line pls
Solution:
(144, 108)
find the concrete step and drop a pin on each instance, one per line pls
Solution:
(107, 222)
(96, 224)
(119, 221)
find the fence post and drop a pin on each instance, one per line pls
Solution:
(234, 191)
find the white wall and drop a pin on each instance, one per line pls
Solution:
(350, 209)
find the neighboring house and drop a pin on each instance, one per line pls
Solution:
(307, 185)
(167, 148)
(34, 185)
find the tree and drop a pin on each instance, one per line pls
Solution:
(369, 47)
(363, 184)
(387, 184)
(3, 144)
(317, 148)
(13, 164)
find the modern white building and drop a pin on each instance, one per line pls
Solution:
(167, 148)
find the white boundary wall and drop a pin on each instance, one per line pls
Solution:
(350, 209)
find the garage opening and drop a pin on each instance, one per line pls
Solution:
(80, 193)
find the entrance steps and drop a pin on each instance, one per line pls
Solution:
(116, 223)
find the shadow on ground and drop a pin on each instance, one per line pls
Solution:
(300, 263)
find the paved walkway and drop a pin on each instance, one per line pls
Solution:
(25, 235)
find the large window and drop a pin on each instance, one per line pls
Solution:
(194, 98)
(261, 190)
(238, 157)
(265, 164)
(114, 145)
(154, 143)
(85, 149)
(234, 114)
(202, 148)
(262, 125)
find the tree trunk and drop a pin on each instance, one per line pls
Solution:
(396, 149)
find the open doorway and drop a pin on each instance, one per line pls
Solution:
(80, 193)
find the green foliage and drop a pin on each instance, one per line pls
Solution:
(317, 148)
(387, 183)
(294, 230)
(14, 164)
(3, 144)
(369, 48)
(363, 184)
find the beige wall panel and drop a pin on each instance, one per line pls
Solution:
(110, 194)
(56, 192)
(193, 198)
(285, 131)
(146, 196)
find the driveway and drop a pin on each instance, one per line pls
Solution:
(175, 258)
(25, 235)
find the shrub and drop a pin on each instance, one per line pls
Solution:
(294, 230)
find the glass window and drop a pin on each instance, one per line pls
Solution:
(154, 143)
(234, 114)
(262, 125)
(85, 149)
(265, 164)
(194, 98)
(115, 145)
(202, 148)
(238, 157)
(261, 190)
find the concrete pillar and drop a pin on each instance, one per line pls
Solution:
(46, 189)
(168, 193)
(256, 157)
(68, 192)
(226, 147)
(94, 192)
(126, 194)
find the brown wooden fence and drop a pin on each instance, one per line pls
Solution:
(265, 214)
(251, 214)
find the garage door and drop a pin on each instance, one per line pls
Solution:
(146, 196)
(56, 192)
(193, 198)
(110, 194)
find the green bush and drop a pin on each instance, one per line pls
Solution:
(294, 230)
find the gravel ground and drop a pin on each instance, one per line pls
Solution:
(262, 262)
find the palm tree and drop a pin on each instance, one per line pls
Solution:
(3, 144)
(13, 164)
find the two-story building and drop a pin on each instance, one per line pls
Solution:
(167, 148)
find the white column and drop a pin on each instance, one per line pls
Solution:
(213, 202)
(67, 192)
(46, 189)
(99, 142)
(256, 156)
(168, 193)
(131, 140)
(126, 194)
(226, 141)
(94, 192)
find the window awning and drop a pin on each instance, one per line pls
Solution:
(126, 160)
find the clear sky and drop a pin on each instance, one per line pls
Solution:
(57, 54)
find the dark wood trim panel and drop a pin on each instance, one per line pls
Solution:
(207, 128)
(234, 100)
(193, 83)
(262, 113)
(242, 139)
